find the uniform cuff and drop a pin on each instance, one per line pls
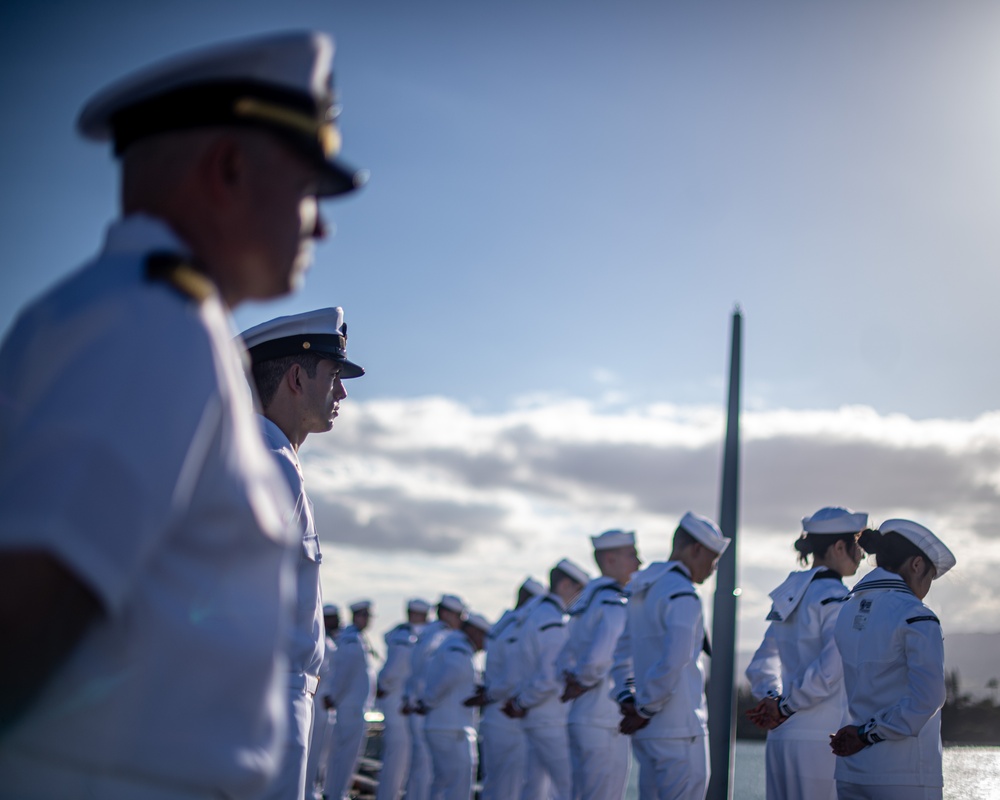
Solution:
(867, 732)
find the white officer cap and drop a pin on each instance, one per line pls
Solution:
(705, 531)
(573, 571)
(330, 610)
(452, 603)
(479, 621)
(281, 82)
(609, 540)
(941, 557)
(418, 606)
(322, 331)
(361, 605)
(835, 519)
(534, 587)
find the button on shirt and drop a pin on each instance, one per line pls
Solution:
(129, 449)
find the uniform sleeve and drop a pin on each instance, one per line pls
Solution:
(595, 662)
(680, 623)
(823, 676)
(542, 647)
(446, 668)
(925, 692)
(622, 670)
(764, 670)
(399, 648)
(495, 676)
(349, 661)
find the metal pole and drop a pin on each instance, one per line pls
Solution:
(721, 688)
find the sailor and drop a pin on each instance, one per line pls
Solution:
(535, 700)
(796, 672)
(450, 724)
(893, 655)
(659, 680)
(299, 368)
(144, 525)
(396, 741)
(598, 750)
(352, 688)
(323, 714)
(450, 613)
(501, 738)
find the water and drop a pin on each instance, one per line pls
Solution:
(970, 773)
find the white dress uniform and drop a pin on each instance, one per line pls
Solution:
(599, 752)
(418, 782)
(160, 496)
(396, 740)
(306, 636)
(323, 721)
(543, 636)
(352, 687)
(893, 656)
(798, 664)
(449, 725)
(502, 738)
(659, 655)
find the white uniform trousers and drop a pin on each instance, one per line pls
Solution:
(290, 782)
(503, 750)
(319, 749)
(799, 769)
(396, 746)
(600, 762)
(549, 772)
(418, 784)
(859, 791)
(672, 769)
(453, 763)
(345, 749)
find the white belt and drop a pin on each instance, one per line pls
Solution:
(299, 680)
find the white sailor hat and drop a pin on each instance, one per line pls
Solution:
(418, 606)
(282, 82)
(478, 621)
(705, 531)
(936, 550)
(322, 331)
(361, 605)
(835, 519)
(533, 587)
(330, 610)
(452, 603)
(612, 539)
(573, 571)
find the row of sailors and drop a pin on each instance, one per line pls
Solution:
(559, 675)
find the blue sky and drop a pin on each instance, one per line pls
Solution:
(567, 199)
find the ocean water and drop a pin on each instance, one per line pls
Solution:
(970, 773)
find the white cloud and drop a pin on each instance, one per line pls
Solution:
(426, 495)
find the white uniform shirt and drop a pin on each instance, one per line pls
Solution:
(893, 655)
(451, 679)
(543, 635)
(427, 642)
(130, 450)
(399, 644)
(352, 674)
(659, 654)
(597, 621)
(307, 633)
(798, 659)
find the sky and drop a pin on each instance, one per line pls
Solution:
(567, 201)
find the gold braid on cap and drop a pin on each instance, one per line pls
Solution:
(325, 132)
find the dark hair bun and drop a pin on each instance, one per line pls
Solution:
(802, 545)
(870, 540)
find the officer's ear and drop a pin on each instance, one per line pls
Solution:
(223, 166)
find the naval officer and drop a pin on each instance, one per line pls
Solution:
(659, 680)
(352, 688)
(396, 740)
(535, 700)
(598, 750)
(299, 368)
(144, 526)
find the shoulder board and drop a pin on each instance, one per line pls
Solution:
(682, 594)
(178, 273)
(924, 618)
(834, 600)
(827, 574)
(558, 624)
